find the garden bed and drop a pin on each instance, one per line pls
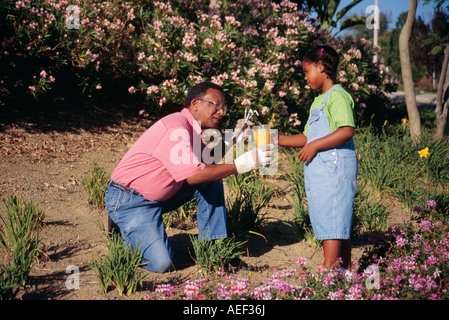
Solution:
(47, 167)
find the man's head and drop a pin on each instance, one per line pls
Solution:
(206, 103)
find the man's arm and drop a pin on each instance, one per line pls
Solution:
(250, 160)
(212, 172)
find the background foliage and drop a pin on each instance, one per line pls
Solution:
(161, 48)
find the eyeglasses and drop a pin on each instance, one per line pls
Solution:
(218, 106)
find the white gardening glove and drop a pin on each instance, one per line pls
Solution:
(255, 159)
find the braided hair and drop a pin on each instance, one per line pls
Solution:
(328, 57)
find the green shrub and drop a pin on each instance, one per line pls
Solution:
(20, 238)
(161, 48)
(249, 195)
(95, 185)
(215, 254)
(119, 269)
(21, 220)
(8, 281)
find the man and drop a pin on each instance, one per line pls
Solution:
(163, 170)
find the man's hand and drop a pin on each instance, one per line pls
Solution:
(255, 159)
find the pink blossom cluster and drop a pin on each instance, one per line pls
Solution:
(253, 49)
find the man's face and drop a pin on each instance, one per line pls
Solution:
(208, 110)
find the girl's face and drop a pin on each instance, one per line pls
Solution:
(314, 74)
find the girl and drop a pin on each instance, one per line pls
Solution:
(330, 169)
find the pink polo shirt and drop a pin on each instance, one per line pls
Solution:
(163, 157)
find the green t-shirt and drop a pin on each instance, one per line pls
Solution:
(339, 109)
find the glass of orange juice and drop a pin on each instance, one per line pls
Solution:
(262, 134)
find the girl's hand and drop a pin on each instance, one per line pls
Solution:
(333, 140)
(307, 153)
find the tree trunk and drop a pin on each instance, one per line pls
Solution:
(440, 112)
(407, 77)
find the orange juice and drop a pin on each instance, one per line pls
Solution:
(262, 135)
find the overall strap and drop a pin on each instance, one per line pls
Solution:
(329, 94)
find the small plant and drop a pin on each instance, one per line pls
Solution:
(21, 220)
(19, 236)
(369, 215)
(215, 254)
(8, 281)
(436, 209)
(185, 212)
(119, 269)
(95, 185)
(249, 195)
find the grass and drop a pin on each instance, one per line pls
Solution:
(247, 201)
(215, 255)
(20, 239)
(95, 185)
(119, 269)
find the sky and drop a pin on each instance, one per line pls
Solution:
(395, 7)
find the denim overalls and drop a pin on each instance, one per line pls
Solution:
(330, 181)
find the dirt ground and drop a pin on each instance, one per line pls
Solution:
(45, 160)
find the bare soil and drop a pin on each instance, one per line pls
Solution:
(45, 160)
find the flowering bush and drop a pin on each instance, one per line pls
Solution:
(417, 261)
(161, 48)
(253, 50)
(412, 262)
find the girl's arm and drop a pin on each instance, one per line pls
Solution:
(295, 141)
(335, 139)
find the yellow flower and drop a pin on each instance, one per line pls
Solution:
(424, 152)
(271, 122)
(385, 123)
(404, 122)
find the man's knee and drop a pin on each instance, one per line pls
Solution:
(157, 257)
(159, 266)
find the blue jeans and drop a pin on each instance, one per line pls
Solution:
(140, 220)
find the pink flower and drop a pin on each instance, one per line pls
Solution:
(246, 102)
(162, 101)
(294, 119)
(425, 224)
(431, 203)
(400, 242)
(208, 42)
(264, 110)
(269, 85)
(131, 90)
(152, 89)
(301, 261)
(43, 74)
(433, 260)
